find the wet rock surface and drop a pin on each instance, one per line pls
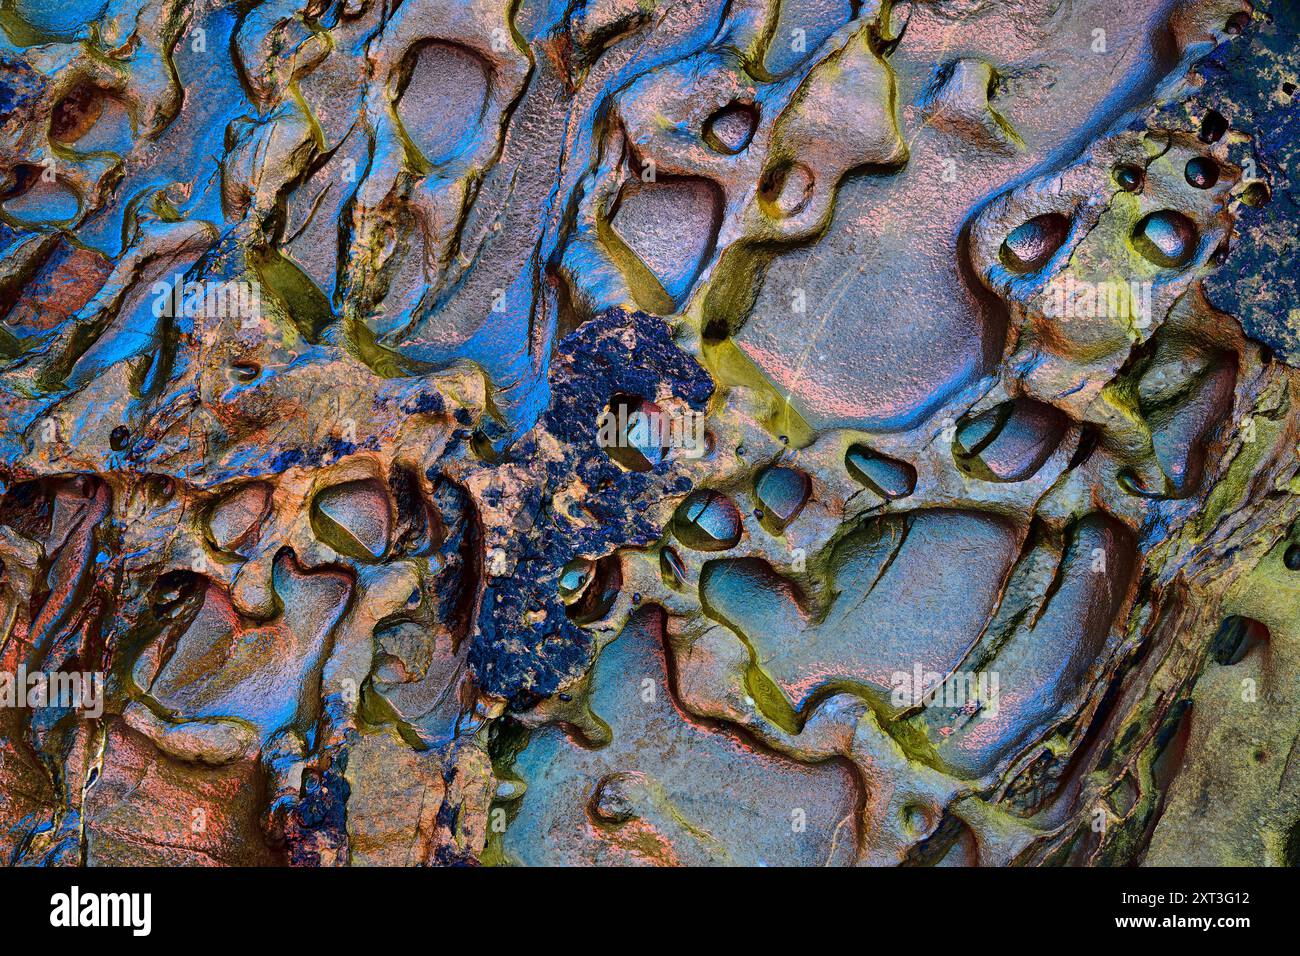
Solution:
(781, 432)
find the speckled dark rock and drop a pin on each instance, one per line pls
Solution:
(617, 352)
(1250, 80)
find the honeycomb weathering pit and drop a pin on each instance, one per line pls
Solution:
(765, 432)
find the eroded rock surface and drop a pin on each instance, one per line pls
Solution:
(757, 432)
